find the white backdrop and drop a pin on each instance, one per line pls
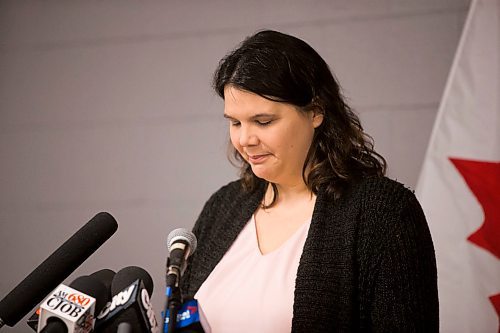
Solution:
(107, 106)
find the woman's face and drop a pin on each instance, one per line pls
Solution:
(272, 137)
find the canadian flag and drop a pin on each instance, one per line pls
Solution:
(459, 186)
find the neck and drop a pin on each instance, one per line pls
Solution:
(289, 193)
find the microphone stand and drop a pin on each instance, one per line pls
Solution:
(173, 304)
(176, 264)
(174, 299)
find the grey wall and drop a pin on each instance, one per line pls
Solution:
(107, 106)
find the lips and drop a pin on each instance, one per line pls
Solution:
(257, 159)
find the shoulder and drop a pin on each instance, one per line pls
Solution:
(370, 206)
(223, 194)
(381, 185)
(234, 187)
(378, 203)
(232, 192)
(382, 193)
(228, 202)
(388, 208)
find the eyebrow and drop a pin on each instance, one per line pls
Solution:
(255, 116)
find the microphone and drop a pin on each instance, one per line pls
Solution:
(130, 304)
(129, 274)
(71, 309)
(57, 267)
(181, 244)
(105, 276)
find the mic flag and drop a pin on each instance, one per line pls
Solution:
(71, 309)
(130, 304)
(97, 284)
(189, 319)
(75, 309)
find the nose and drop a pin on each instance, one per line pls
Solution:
(247, 137)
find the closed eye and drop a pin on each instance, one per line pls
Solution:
(263, 123)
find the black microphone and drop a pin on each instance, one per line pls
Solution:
(131, 287)
(181, 244)
(72, 309)
(106, 277)
(57, 267)
(129, 274)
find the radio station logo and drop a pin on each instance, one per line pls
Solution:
(71, 304)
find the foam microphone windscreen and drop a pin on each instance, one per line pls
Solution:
(57, 267)
(105, 276)
(126, 276)
(92, 286)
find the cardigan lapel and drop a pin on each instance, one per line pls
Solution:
(325, 271)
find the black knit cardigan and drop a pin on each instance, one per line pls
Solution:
(367, 265)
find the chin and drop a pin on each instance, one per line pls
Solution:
(265, 176)
(261, 174)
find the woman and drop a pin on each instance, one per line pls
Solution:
(312, 237)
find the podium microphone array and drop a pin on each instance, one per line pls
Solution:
(122, 304)
(57, 267)
(103, 301)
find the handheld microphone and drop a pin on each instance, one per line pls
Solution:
(71, 309)
(130, 304)
(181, 244)
(57, 267)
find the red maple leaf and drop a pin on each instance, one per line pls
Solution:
(483, 179)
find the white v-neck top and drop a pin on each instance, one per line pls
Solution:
(251, 292)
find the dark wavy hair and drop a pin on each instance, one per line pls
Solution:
(283, 68)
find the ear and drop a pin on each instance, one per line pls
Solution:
(317, 118)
